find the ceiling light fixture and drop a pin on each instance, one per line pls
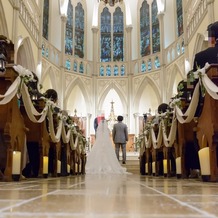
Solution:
(111, 2)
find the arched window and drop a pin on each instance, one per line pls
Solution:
(45, 19)
(69, 30)
(74, 35)
(122, 73)
(118, 35)
(183, 46)
(145, 29)
(157, 63)
(101, 71)
(81, 67)
(155, 28)
(149, 64)
(75, 66)
(179, 17)
(68, 64)
(105, 35)
(143, 66)
(108, 70)
(116, 72)
(79, 31)
(112, 35)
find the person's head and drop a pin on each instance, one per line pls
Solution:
(120, 118)
(212, 33)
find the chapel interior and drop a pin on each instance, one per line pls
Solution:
(65, 62)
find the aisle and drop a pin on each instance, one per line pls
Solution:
(108, 196)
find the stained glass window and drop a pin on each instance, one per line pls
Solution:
(183, 46)
(46, 52)
(122, 73)
(155, 28)
(145, 29)
(116, 72)
(75, 66)
(81, 68)
(179, 17)
(45, 19)
(69, 30)
(101, 71)
(67, 64)
(143, 66)
(79, 31)
(43, 49)
(118, 35)
(149, 64)
(105, 35)
(178, 49)
(108, 70)
(157, 63)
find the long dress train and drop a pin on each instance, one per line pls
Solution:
(102, 158)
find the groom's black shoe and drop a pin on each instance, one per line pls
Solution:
(124, 162)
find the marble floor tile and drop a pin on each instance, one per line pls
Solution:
(109, 196)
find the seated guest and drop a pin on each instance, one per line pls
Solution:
(209, 55)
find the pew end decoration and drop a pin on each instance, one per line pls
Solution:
(61, 128)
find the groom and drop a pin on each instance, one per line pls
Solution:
(120, 137)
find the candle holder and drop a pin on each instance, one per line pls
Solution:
(165, 167)
(153, 168)
(45, 167)
(58, 167)
(16, 164)
(146, 169)
(178, 168)
(204, 157)
(68, 169)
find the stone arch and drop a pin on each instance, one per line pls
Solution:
(69, 89)
(200, 44)
(146, 81)
(118, 91)
(25, 54)
(176, 76)
(49, 73)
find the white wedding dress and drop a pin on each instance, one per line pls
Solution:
(102, 158)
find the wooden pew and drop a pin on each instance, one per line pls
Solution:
(187, 144)
(207, 127)
(12, 127)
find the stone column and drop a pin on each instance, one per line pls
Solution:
(14, 29)
(88, 125)
(136, 116)
(95, 69)
(129, 71)
(210, 8)
(39, 61)
(162, 60)
(61, 90)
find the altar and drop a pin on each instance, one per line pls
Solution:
(129, 146)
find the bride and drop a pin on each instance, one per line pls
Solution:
(102, 158)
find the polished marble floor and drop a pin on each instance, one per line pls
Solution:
(107, 196)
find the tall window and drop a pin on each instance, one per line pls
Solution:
(69, 30)
(112, 42)
(155, 28)
(79, 31)
(105, 35)
(74, 36)
(145, 29)
(45, 19)
(118, 35)
(179, 17)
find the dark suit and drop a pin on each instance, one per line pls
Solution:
(209, 55)
(120, 137)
